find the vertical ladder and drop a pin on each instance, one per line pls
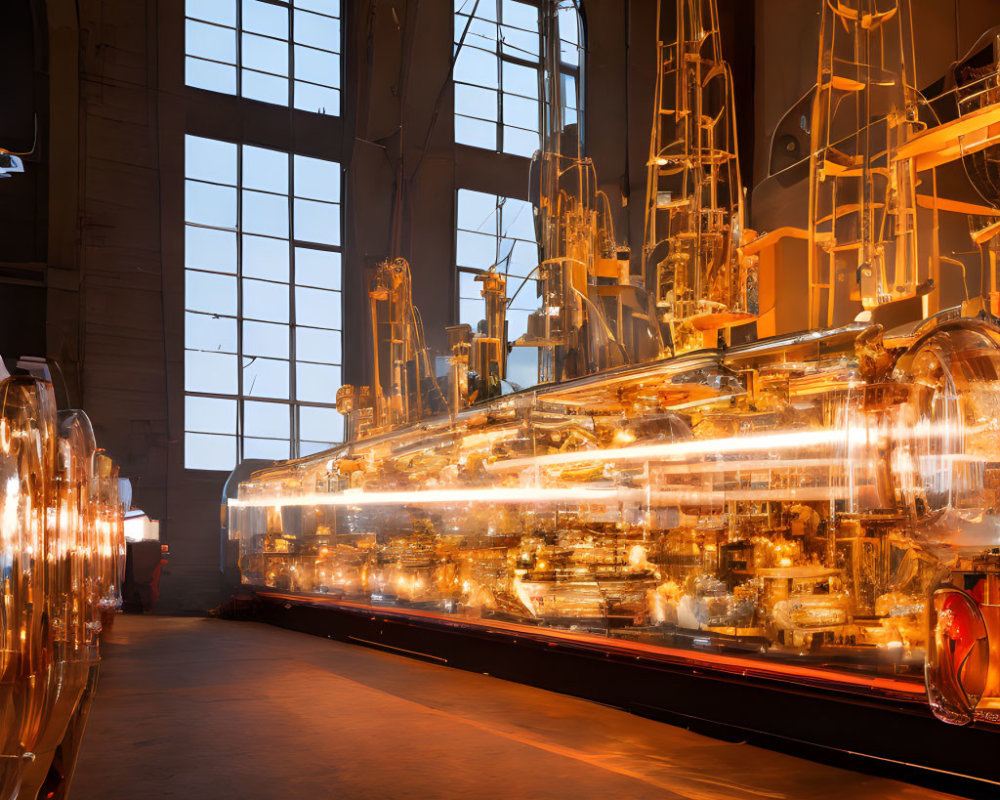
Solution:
(862, 215)
(693, 215)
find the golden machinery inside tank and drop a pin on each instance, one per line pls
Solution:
(62, 553)
(823, 504)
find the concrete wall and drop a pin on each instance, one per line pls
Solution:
(111, 216)
(786, 33)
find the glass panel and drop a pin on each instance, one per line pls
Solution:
(265, 301)
(523, 257)
(210, 41)
(518, 142)
(265, 377)
(477, 250)
(477, 211)
(316, 383)
(317, 66)
(317, 31)
(264, 54)
(265, 169)
(204, 451)
(476, 66)
(267, 420)
(521, 112)
(331, 7)
(475, 101)
(271, 449)
(475, 133)
(320, 424)
(313, 344)
(317, 222)
(482, 33)
(265, 213)
(517, 220)
(211, 333)
(266, 88)
(208, 204)
(485, 9)
(265, 339)
(221, 11)
(207, 248)
(569, 21)
(525, 305)
(468, 287)
(317, 99)
(520, 44)
(209, 415)
(520, 79)
(265, 18)
(319, 268)
(526, 300)
(266, 258)
(209, 76)
(211, 373)
(210, 293)
(570, 98)
(522, 363)
(521, 15)
(517, 322)
(470, 312)
(317, 308)
(210, 160)
(317, 179)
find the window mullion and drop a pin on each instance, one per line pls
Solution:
(292, 364)
(239, 67)
(239, 303)
(499, 142)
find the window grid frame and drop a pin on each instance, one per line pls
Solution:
(499, 234)
(565, 69)
(290, 43)
(292, 401)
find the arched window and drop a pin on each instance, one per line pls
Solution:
(498, 71)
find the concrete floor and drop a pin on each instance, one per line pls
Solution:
(202, 708)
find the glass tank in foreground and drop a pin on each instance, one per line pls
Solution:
(826, 499)
(62, 557)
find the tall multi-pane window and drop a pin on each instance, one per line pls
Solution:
(278, 51)
(262, 332)
(498, 232)
(498, 72)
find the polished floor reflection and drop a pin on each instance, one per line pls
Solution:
(195, 708)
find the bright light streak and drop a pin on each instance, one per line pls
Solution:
(516, 495)
(501, 494)
(832, 448)
(673, 450)
(757, 465)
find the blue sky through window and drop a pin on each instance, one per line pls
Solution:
(498, 71)
(263, 331)
(285, 52)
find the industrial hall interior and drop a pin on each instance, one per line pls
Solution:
(486, 399)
